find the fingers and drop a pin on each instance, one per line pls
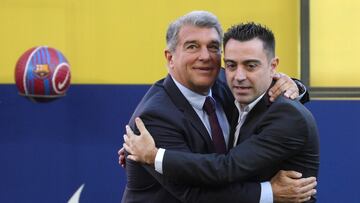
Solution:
(291, 174)
(288, 186)
(128, 148)
(127, 142)
(129, 145)
(291, 93)
(121, 151)
(121, 154)
(307, 196)
(304, 199)
(284, 84)
(122, 161)
(278, 75)
(309, 187)
(129, 139)
(276, 89)
(307, 181)
(305, 189)
(140, 125)
(132, 157)
(129, 132)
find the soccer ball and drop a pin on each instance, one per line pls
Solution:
(42, 74)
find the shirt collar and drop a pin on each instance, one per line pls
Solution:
(195, 99)
(250, 106)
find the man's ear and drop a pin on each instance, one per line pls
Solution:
(274, 64)
(169, 58)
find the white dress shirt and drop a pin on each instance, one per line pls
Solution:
(243, 112)
(197, 102)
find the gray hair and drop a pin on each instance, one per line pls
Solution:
(202, 19)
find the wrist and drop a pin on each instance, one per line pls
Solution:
(152, 155)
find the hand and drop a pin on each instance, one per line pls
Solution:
(121, 154)
(141, 148)
(283, 84)
(288, 186)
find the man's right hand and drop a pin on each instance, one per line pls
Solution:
(121, 154)
(141, 147)
(288, 186)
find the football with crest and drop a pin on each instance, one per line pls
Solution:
(42, 74)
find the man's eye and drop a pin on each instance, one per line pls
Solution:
(230, 66)
(214, 48)
(191, 46)
(252, 65)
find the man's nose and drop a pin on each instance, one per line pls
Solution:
(204, 54)
(240, 74)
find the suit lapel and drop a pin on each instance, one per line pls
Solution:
(253, 117)
(189, 113)
(222, 94)
(233, 124)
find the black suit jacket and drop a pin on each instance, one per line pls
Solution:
(279, 135)
(175, 125)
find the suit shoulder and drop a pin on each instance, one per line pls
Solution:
(156, 103)
(294, 109)
(290, 103)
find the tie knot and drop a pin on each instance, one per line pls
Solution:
(209, 105)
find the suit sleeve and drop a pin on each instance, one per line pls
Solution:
(166, 135)
(282, 133)
(302, 90)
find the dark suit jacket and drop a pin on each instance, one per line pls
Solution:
(279, 135)
(175, 125)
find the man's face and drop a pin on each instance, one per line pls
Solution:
(196, 61)
(248, 70)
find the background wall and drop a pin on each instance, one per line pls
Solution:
(122, 42)
(115, 48)
(334, 43)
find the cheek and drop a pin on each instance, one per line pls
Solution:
(229, 77)
(266, 81)
(271, 74)
(216, 58)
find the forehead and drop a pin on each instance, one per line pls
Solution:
(244, 49)
(200, 34)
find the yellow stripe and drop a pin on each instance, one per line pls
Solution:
(122, 42)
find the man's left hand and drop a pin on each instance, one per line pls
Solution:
(284, 84)
(121, 154)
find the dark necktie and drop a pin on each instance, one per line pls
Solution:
(216, 132)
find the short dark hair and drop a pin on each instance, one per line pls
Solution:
(248, 31)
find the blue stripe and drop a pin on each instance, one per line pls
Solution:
(42, 56)
(48, 57)
(60, 57)
(47, 86)
(30, 74)
(38, 57)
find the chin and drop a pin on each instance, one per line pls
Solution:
(206, 83)
(242, 99)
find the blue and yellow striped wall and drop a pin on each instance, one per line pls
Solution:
(115, 48)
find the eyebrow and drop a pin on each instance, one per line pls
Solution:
(229, 60)
(196, 42)
(215, 42)
(244, 62)
(252, 61)
(190, 42)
